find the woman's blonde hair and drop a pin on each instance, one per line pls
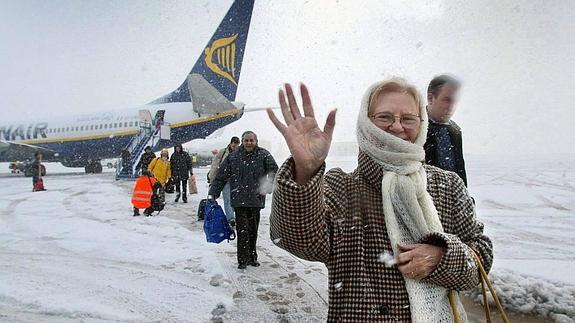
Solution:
(394, 85)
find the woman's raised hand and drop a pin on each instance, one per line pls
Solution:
(308, 144)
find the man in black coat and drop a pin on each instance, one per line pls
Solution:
(146, 159)
(250, 170)
(181, 165)
(444, 145)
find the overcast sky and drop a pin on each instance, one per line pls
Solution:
(516, 58)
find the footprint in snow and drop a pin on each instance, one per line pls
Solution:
(292, 278)
(239, 294)
(217, 280)
(217, 312)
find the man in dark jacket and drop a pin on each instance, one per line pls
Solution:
(146, 159)
(250, 170)
(126, 169)
(444, 145)
(181, 165)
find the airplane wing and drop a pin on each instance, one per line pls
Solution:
(260, 109)
(11, 151)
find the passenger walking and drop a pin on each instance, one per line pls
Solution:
(444, 144)
(126, 167)
(161, 169)
(38, 171)
(395, 234)
(250, 170)
(181, 165)
(145, 159)
(219, 157)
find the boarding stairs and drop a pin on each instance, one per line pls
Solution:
(149, 135)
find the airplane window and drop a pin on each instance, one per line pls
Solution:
(81, 128)
(106, 126)
(115, 125)
(110, 126)
(101, 126)
(67, 129)
(76, 128)
(131, 123)
(125, 124)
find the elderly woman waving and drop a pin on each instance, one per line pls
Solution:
(395, 234)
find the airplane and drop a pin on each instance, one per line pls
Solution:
(202, 104)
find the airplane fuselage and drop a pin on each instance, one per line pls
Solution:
(106, 134)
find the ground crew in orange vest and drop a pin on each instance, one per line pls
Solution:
(143, 191)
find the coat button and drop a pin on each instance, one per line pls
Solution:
(383, 309)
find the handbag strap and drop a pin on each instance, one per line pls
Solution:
(453, 305)
(486, 282)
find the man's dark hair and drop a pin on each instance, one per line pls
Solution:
(439, 81)
(235, 140)
(249, 132)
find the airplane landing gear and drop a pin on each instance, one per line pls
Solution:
(93, 167)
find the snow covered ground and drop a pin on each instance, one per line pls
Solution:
(75, 253)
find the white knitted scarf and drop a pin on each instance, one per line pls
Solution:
(408, 209)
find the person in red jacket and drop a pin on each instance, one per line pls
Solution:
(143, 191)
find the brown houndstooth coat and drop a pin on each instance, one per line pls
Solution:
(337, 219)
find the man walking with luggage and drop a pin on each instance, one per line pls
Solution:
(250, 170)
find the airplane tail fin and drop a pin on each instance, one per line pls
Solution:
(221, 61)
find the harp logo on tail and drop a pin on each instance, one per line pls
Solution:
(221, 57)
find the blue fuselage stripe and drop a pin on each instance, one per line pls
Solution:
(111, 147)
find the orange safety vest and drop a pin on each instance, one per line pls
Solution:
(142, 196)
